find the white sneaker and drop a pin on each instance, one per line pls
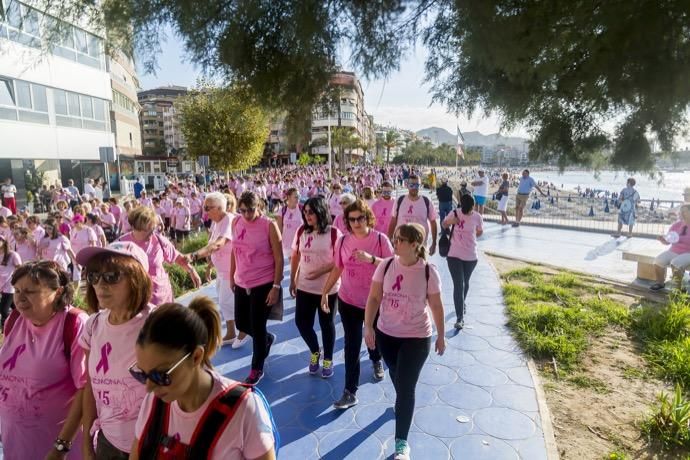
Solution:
(239, 342)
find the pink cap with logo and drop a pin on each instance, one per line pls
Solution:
(124, 248)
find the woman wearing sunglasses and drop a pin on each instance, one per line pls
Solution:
(311, 262)
(404, 290)
(678, 255)
(346, 199)
(55, 246)
(43, 367)
(177, 372)
(356, 257)
(256, 271)
(118, 289)
(159, 250)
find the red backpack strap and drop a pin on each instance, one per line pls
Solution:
(9, 322)
(70, 330)
(300, 231)
(334, 236)
(155, 430)
(215, 419)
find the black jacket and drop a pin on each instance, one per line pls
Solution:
(444, 193)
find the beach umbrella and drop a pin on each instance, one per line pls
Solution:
(591, 211)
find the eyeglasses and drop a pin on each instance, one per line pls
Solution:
(360, 219)
(386, 192)
(162, 379)
(108, 277)
(246, 210)
(309, 212)
(413, 185)
(399, 239)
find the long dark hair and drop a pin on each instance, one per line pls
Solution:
(323, 216)
(466, 204)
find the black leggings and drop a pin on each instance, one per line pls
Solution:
(404, 358)
(460, 271)
(6, 306)
(352, 318)
(106, 451)
(251, 315)
(307, 304)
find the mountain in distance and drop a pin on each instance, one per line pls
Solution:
(472, 138)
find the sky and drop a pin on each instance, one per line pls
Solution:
(401, 100)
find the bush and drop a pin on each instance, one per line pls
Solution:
(194, 243)
(669, 421)
(180, 280)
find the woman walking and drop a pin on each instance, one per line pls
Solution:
(405, 288)
(466, 226)
(311, 262)
(55, 246)
(256, 271)
(9, 261)
(118, 290)
(356, 258)
(183, 388)
(502, 197)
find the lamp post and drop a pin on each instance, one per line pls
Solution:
(330, 159)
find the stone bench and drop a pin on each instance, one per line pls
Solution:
(645, 262)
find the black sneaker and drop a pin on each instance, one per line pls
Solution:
(656, 287)
(255, 376)
(379, 374)
(346, 401)
(271, 339)
(459, 325)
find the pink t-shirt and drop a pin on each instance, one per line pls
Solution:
(340, 224)
(356, 276)
(117, 211)
(247, 435)
(158, 249)
(403, 311)
(182, 218)
(221, 258)
(124, 223)
(195, 205)
(100, 234)
(37, 386)
(316, 250)
(13, 261)
(383, 211)
(56, 250)
(108, 219)
(683, 244)
(80, 239)
(415, 212)
(292, 220)
(38, 233)
(463, 245)
(334, 204)
(26, 251)
(251, 244)
(118, 395)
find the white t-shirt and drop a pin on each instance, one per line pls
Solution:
(8, 190)
(483, 189)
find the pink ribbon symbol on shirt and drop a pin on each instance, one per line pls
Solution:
(242, 233)
(398, 280)
(308, 243)
(13, 360)
(103, 363)
(409, 210)
(462, 224)
(384, 212)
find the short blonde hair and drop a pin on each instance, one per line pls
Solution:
(142, 218)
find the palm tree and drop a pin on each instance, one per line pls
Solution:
(392, 140)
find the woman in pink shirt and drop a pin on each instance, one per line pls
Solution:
(404, 289)
(81, 237)
(177, 372)
(9, 261)
(94, 223)
(289, 219)
(55, 246)
(678, 255)
(383, 207)
(40, 410)
(24, 244)
(108, 222)
(195, 205)
(311, 262)
(466, 225)
(356, 257)
(256, 271)
(181, 220)
(38, 232)
(346, 199)
(159, 250)
(118, 290)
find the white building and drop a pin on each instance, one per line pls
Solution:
(54, 106)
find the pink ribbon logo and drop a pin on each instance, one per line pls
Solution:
(384, 212)
(13, 359)
(462, 224)
(244, 232)
(352, 257)
(409, 210)
(398, 281)
(103, 363)
(308, 243)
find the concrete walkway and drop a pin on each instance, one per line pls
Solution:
(477, 401)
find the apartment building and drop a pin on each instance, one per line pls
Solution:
(54, 106)
(160, 122)
(124, 113)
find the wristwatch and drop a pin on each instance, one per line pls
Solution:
(373, 260)
(62, 446)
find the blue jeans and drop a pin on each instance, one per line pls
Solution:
(444, 208)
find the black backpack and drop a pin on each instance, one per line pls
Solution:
(400, 200)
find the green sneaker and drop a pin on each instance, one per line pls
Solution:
(402, 450)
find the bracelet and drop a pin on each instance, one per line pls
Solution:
(276, 286)
(373, 260)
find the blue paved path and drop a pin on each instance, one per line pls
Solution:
(482, 379)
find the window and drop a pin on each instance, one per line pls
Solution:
(98, 109)
(6, 92)
(23, 94)
(14, 14)
(86, 107)
(73, 103)
(80, 41)
(60, 98)
(94, 44)
(39, 98)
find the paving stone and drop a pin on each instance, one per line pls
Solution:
(442, 421)
(482, 447)
(482, 375)
(503, 423)
(515, 397)
(465, 396)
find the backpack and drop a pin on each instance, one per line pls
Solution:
(208, 430)
(69, 331)
(426, 270)
(283, 211)
(334, 235)
(444, 241)
(400, 200)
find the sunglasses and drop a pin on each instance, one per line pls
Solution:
(246, 210)
(108, 277)
(386, 192)
(412, 185)
(309, 212)
(162, 379)
(359, 219)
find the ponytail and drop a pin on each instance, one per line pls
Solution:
(182, 328)
(422, 252)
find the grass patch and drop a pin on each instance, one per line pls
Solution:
(194, 243)
(668, 424)
(584, 381)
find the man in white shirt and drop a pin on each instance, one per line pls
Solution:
(415, 208)
(8, 191)
(89, 189)
(481, 191)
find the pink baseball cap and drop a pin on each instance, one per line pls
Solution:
(123, 248)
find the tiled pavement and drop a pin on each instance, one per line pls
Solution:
(477, 401)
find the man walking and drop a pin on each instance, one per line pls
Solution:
(481, 190)
(8, 193)
(445, 199)
(524, 190)
(414, 207)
